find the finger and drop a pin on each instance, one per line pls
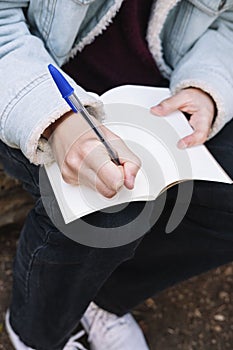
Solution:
(130, 162)
(87, 177)
(92, 180)
(201, 125)
(179, 101)
(111, 175)
(108, 172)
(130, 172)
(104, 190)
(92, 164)
(196, 138)
(116, 176)
(126, 155)
(94, 156)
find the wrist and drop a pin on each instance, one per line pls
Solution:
(52, 127)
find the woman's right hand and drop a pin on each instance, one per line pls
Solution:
(83, 159)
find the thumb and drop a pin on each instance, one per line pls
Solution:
(170, 104)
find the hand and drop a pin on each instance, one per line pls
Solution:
(199, 105)
(83, 159)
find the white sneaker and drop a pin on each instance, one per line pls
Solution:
(107, 331)
(72, 344)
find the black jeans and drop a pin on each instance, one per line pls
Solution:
(56, 278)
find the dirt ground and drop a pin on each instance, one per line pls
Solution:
(194, 315)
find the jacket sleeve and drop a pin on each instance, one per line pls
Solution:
(209, 66)
(29, 100)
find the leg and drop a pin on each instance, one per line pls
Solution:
(54, 278)
(54, 281)
(203, 240)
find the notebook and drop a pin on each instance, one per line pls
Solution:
(154, 140)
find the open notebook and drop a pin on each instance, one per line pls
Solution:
(154, 140)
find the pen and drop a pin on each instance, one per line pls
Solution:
(73, 101)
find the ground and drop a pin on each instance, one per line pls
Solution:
(194, 315)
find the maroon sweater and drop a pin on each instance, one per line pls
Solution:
(120, 55)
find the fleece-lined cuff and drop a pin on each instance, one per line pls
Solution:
(34, 112)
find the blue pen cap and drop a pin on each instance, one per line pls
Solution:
(63, 86)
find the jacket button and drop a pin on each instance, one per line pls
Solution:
(221, 4)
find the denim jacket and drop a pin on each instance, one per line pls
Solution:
(190, 40)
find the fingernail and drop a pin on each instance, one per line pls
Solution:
(157, 107)
(182, 145)
(158, 110)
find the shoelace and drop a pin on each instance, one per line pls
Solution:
(73, 344)
(108, 321)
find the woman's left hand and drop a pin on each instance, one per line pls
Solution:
(199, 105)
